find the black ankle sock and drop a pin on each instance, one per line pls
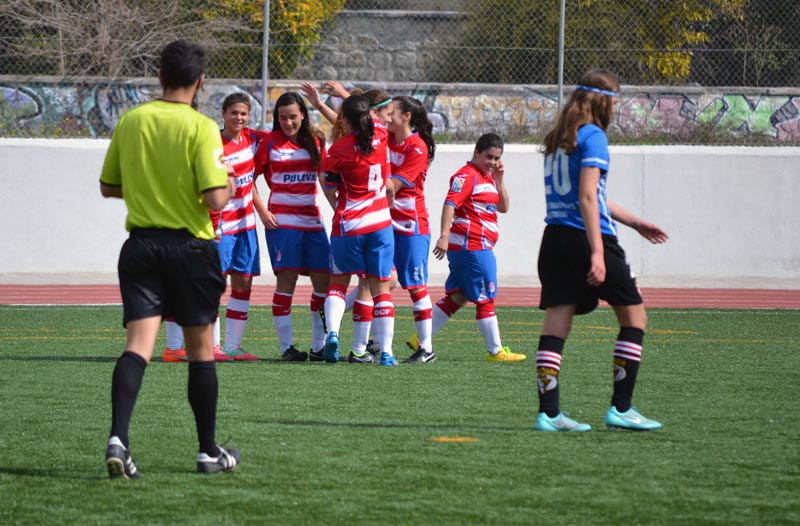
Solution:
(125, 384)
(547, 368)
(203, 392)
(627, 356)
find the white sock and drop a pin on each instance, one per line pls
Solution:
(216, 332)
(491, 334)
(334, 311)
(362, 323)
(174, 336)
(350, 299)
(438, 320)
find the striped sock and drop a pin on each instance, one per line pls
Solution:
(383, 322)
(627, 357)
(282, 318)
(236, 318)
(423, 316)
(362, 322)
(548, 364)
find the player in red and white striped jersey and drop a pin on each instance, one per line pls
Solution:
(411, 149)
(468, 235)
(235, 224)
(356, 169)
(290, 161)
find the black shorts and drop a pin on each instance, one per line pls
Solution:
(170, 272)
(564, 261)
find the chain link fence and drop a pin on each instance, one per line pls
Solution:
(459, 46)
(753, 43)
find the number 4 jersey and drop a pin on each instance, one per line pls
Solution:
(362, 206)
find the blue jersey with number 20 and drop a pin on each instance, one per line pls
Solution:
(562, 180)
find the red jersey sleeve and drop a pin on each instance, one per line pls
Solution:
(461, 185)
(414, 164)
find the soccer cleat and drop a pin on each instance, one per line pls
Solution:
(560, 422)
(413, 342)
(388, 359)
(373, 349)
(315, 356)
(174, 355)
(220, 356)
(504, 355)
(360, 358)
(630, 419)
(331, 352)
(119, 461)
(228, 460)
(421, 356)
(238, 354)
(293, 355)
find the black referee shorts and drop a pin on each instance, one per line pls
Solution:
(170, 272)
(564, 261)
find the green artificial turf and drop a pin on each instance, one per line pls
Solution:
(356, 444)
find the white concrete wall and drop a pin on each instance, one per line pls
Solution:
(731, 213)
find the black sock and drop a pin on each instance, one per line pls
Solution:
(125, 384)
(548, 364)
(203, 391)
(627, 356)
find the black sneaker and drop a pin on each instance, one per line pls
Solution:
(360, 358)
(315, 356)
(228, 460)
(373, 348)
(293, 355)
(421, 356)
(119, 461)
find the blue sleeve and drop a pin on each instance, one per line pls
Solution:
(593, 144)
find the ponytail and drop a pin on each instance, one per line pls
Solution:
(355, 109)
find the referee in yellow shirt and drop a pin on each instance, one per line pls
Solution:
(165, 162)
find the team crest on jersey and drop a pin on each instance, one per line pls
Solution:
(458, 184)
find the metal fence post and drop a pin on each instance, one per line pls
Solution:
(265, 68)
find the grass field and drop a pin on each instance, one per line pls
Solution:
(355, 444)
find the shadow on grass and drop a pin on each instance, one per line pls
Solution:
(392, 425)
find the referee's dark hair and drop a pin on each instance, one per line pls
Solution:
(182, 63)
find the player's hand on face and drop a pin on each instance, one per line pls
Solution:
(499, 171)
(597, 270)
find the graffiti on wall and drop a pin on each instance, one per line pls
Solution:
(75, 109)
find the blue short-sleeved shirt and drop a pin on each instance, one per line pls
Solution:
(562, 180)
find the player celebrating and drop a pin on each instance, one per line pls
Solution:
(296, 238)
(411, 150)
(580, 259)
(164, 160)
(362, 242)
(468, 235)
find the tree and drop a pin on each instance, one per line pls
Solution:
(645, 41)
(97, 37)
(294, 29)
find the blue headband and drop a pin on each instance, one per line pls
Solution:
(598, 90)
(381, 104)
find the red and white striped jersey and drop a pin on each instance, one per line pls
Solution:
(362, 206)
(409, 164)
(292, 179)
(475, 198)
(238, 215)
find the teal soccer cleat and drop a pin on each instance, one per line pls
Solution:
(630, 419)
(560, 422)
(331, 352)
